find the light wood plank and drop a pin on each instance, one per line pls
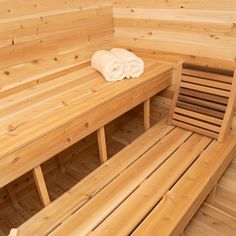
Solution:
(219, 215)
(102, 145)
(195, 122)
(13, 232)
(205, 96)
(147, 114)
(229, 112)
(198, 116)
(41, 185)
(177, 4)
(206, 82)
(178, 74)
(207, 75)
(205, 89)
(201, 110)
(15, 8)
(201, 102)
(174, 212)
(195, 129)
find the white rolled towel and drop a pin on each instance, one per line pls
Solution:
(134, 66)
(111, 67)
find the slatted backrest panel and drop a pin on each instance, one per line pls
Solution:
(204, 100)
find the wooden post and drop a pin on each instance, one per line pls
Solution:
(227, 122)
(12, 195)
(61, 164)
(13, 232)
(177, 77)
(212, 194)
(147, 120)
(102, 145)
(41, 185)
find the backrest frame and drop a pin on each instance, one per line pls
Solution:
(191, 108)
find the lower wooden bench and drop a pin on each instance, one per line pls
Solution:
(152, 187)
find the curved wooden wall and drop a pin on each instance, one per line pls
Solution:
(178, 29)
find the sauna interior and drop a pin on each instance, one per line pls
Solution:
(155, 155)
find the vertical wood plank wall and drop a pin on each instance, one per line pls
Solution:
(39, 37)
(193, 31)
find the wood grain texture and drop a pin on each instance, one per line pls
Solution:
(39, 38)
(179, 4)
(196, 28)
(191, 31)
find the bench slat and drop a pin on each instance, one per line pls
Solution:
(37, 104)
(36, 111)
(174, 212)
(195, 122)
(209, 83)
(204, 89)
(38, 93)
(54, 87)
(201, 102)
(100, 206)
(206, 96)
(195, 129)
(125, 218)
(208, 75)
(199, 116)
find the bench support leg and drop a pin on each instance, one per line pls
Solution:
(13, 232)
(15, 202)
(61, 164)
(41, 185)
(212, 194)
(102, 145)
(12, 195)
(147, 120)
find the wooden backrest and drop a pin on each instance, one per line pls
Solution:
(204, 100)
(41, 37)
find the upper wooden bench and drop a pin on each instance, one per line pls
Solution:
(152, 187)
(41, 121)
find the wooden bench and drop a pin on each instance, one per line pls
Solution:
(42, 120)
(167, 170)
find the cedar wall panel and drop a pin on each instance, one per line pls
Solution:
(179, 29)
(40, 37)
(197, 31)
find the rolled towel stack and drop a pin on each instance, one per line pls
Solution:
(111, 67)
(134, 66)
(117, 64)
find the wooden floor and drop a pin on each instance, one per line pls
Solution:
(217, 215)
